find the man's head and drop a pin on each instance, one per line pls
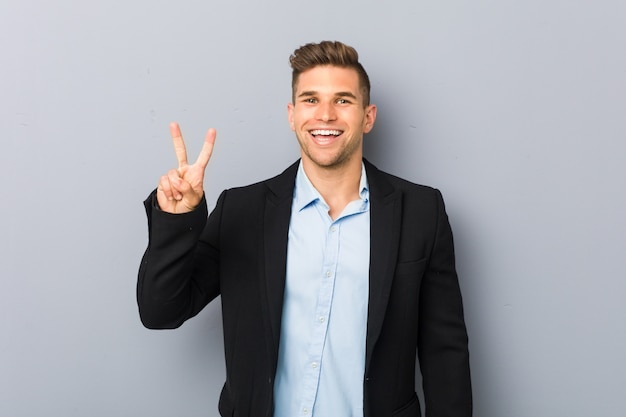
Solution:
(329, 53)
(330, 111)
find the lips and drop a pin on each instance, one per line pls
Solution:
(325, 136)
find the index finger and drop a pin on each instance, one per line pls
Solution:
(179, 144)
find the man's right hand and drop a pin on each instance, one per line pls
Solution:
(181, 190)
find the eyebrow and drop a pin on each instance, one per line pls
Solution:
(339, 94)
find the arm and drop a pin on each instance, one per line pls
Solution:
(178, 274)
(443, 345)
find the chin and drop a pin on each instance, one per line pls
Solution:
(330, 163)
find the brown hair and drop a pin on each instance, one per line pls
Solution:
(328, 53)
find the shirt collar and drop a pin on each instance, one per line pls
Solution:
(305, 193)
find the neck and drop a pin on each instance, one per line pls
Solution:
(337, 185)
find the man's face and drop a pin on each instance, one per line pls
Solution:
(328, 116)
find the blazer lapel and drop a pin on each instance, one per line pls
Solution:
(385, 224)
(277, 215)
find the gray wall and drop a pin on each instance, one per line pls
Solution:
(514, 109)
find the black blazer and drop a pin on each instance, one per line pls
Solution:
(240, 253)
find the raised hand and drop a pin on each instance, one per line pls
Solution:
(181, 190)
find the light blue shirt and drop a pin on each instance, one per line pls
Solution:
(321, 360)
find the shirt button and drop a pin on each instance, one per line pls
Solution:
(305, 410)
(321, 319)
(328, 274)
(314, 365)
(333, 228)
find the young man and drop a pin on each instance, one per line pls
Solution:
(332, 274)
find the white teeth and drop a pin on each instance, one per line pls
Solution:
(321, 132)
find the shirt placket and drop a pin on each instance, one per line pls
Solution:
(313, 366)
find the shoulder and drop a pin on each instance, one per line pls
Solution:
(386, 183)
(279, 186)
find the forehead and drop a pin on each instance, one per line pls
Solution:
(329, 79)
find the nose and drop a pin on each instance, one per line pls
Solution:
(326, 112)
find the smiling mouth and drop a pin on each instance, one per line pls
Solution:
(325, 133)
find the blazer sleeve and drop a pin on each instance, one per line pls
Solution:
(179, 273)
(443, 342)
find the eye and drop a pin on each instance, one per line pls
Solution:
(310, 100)
(342, 101)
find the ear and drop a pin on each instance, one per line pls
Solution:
(370, 118)
(290, 116)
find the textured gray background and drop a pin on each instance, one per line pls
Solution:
(514, 109)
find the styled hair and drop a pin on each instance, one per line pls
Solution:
(331, 53)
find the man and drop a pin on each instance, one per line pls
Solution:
(332, 274)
